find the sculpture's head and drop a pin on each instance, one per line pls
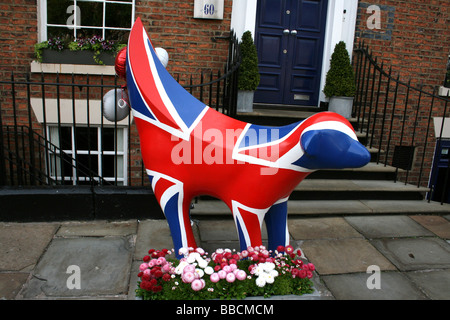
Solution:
(329, 142)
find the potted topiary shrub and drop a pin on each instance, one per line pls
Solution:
(248, 79)
(340, 82)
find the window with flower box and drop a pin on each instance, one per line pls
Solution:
(107, 19)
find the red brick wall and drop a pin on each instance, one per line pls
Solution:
(414, 37)
(414, 40)
(18, 35)
(192, 44)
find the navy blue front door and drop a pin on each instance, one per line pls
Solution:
(289, 38)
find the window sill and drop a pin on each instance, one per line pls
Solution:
(63, 68)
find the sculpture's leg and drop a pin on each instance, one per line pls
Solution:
(276, 223)
(170, 194)
(248, 223)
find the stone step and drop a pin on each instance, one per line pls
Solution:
(371, 171)
(210, 208)
(346, 189)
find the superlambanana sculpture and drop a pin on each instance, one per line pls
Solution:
(189, 150)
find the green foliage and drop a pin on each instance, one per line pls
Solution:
(340, 79)
(248, 70)
(95, 44)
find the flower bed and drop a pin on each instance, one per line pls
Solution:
(225, 274)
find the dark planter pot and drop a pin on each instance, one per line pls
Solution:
(76, 57)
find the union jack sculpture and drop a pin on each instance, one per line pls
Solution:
(189, 150)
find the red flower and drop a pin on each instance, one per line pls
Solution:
(158, 274)
(289, 249)
(295, 272)
(166, 277)
(146, 277)
(299, 252)
(151, 251)
(217, 268)
(153, 282)
(140, 274)
(280, 249)
(156, 289)
(146, 259)
(302, 274)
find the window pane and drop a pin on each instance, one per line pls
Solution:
(108, 165)
(91, 13)
(89, 33)
(108, 137)
(87, 164)
(66, 137)
(57, 11)
(86, 138)
(121, 36)
(118, 15)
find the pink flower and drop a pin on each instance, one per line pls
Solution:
(197, 284)
(222, 274)
(311, 267)
(233, 266)
(147, 271)
(244, 254)
(188, 277)
(241, 275)
(143, 266)
(230, 277)
(189, 268)
(161, 261)
(166, 268)
(309, 274)
(152, 263)
(214, 277)
(227, 269)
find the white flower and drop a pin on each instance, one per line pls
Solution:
(202, 263)
(209, 270)
(200, 272)
(183, 251)
(260, 282)
(180, 267)
(268, 266)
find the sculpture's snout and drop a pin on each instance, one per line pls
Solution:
(332, 149)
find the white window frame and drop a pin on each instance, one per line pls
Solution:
(42, 8)
(122, 177)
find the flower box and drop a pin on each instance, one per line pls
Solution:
(67, 56)
(225, 274)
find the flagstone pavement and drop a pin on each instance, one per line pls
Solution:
(393, 257)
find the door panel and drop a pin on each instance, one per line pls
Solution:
(289, 37)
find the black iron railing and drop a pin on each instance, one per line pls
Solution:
(398, 119)
(70, 149)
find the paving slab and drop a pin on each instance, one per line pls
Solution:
(409, 254)
(343, 256)
(387, 226)
(436, 224)
(321, 228)
(152, 234)
(435, 283)
(10, 284)
(393, 286)
(21, 244)
(98, 228)
(101, 266)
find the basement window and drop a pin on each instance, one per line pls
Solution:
(83, 154)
